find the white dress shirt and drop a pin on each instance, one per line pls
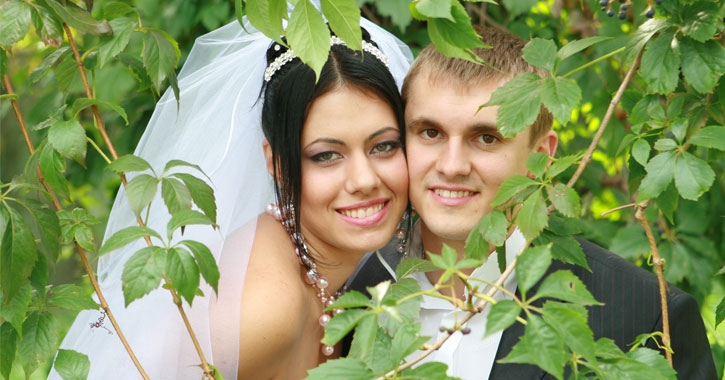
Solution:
(468, 356)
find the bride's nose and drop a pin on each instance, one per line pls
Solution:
(361, 175)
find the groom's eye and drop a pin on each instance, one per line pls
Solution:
(487, 139)
(431, 133)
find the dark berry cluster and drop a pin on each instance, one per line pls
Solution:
(608, 7)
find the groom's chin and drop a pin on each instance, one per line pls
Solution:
(449, 227)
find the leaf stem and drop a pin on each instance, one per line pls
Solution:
(93, 144)
(584, 66)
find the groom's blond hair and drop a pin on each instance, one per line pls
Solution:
(503, 61)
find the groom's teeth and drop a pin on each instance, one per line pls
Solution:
(452, 194)
(363, 212)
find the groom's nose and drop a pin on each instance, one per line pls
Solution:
(453, 160)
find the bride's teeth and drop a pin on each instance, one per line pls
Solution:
(363, 212)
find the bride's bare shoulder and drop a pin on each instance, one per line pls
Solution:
(273, 302)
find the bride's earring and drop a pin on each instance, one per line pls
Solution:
(403, 232)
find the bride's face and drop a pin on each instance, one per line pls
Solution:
(354, 174)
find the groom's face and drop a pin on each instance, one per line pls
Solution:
(457, 159)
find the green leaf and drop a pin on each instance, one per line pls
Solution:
(702, 63)
(711, 137)
(185, 218)
(455, 38)
(660, 172)
(125, 236)
(308, 36)
(640, 151)
(207, 263)
(47, 25)
(38, 342)
(48, 226)
(344, 368)
(517, 7)
(344, 19)
(561, 96)
(406, 340)
(693, 176)
(542, 346)
(129, 163)
(639, 112)
(536, 163)
(643, 34)
(665, 144)
(520, 101)
(8, 341)
(14, 311)
(679, 129)
(110, 46)
(574, 47)
(52, 164)
(3, 62)
(565, 248)
(510, 187)
(160, 56)
(570, 322)
(492, 228)
(79, 18)
(341, 324)
(83, 103)
(630, 242)
(140, 191)
(364, 337)
(84, 236)
(661, 64)
(720, 312)
(435, 8)
(531, 265)
(71, 297)
(15, 20)
(350, 300)
(201, 193)
(142, 273)
(266, 16)
(413, 265)
(565, 199)
(502, 315)
(18, 254)
(700, 20)
(136, 68)
(667, 202)
(175, 163)
(540, 53)
(533, 216)
(69, 139)
(566, 286)
(654, 360)
(116, 9)
(183, 273)
(40, 274)
(561, 164)
(175, 194)
(66, 73)
(397, 10)
(72, 365)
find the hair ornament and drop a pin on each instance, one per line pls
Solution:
(289, 55)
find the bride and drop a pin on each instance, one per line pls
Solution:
(328, 152)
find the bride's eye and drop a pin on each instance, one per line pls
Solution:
(325, 157)
(386, 147)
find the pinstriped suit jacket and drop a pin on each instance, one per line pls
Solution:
(632, 307)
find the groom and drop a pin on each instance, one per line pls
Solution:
(457, 160)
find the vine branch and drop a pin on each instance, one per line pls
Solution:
(208, 372)
(81, 251)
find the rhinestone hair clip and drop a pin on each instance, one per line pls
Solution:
(289, 55)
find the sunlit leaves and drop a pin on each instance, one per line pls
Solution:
(341, 324)
(160, 56)
(693, 176)
(185, 218)
(533, 215)
(175, 194)
(659, 174)
(15, 20)
(308, 35)
(540, 53)
(643, 34)
(129, 163)
(512, 186)
(142, 273)
(492, 228)
(503, 314)
(344, 368)
(570, 322)
(540, 345)
(412, 265)
(201, 193)
(344, 19)
(565, 199)
(702, 63)
(532, 264)
(69, 139)
(349, 300)
(561, 96)
(72, 365)
(183, 272)
(126, 236)
(700, 20)
(18, 254)
(661, 64)
(207, 265)
(455, 38)
(266, 16)
(536, 163)
(574, 47)
(564, 285)
(519, 100)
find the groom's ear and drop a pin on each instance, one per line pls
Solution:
(268, 156)
(547, 143)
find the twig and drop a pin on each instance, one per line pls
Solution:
(605, 121)
(81, 251)
(617, 209)
(659, 265)
(208, 372)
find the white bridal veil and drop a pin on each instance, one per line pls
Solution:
(216, 126)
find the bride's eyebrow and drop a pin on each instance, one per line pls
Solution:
(330, 140)
(380, 132)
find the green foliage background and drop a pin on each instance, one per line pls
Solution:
(691, 233)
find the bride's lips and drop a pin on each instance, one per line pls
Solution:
(373, 210)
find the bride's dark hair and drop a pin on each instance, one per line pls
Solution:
(292, 90)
